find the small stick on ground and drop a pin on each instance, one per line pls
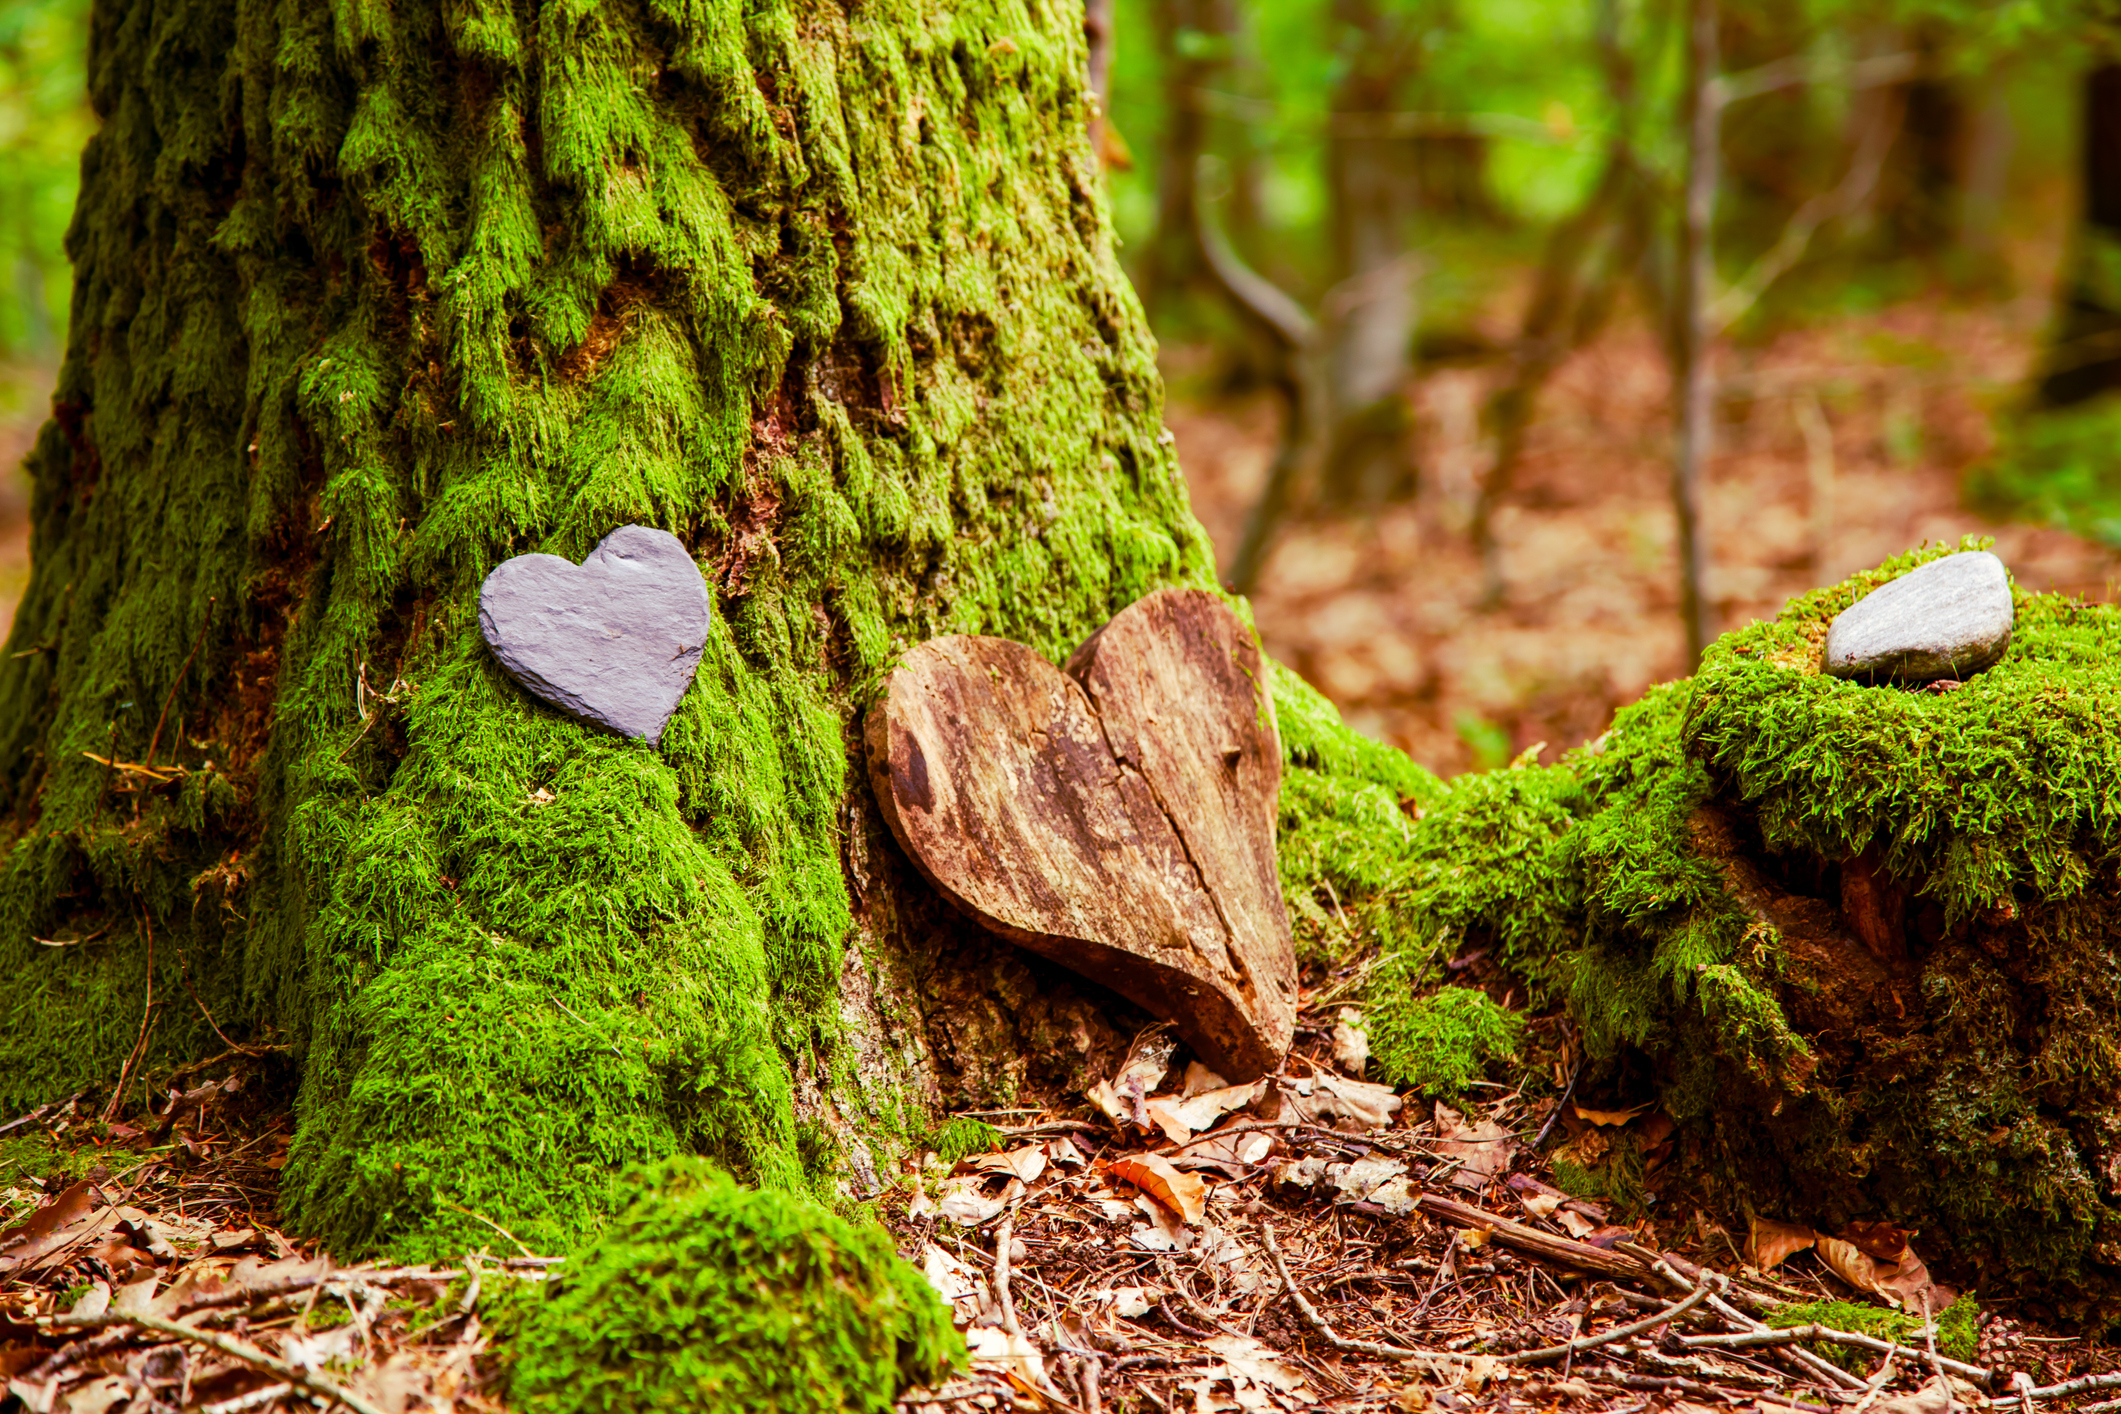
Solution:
(1003, 1231)
(1879, 1381)
(1317, 1322)
(316, 1384)
(1694, 1298)
(2085, 1385)
(1790, 1335)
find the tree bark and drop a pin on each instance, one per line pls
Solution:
(365, 305)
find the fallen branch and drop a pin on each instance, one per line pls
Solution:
(316, 1384)
(1577, 1346)
(1817, 1366)
(1791, 1335)
(1565, 1251)
(2085, 1385)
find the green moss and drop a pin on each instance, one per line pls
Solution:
(1957, 1333)
(704, 1294)
(1439, 1042)
(961, 1137)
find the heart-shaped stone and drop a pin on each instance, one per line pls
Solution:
(613, 640)
(1117, 817)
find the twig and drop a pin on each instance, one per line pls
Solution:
(1565, 1251)
(200, 637)
(1791, 1335)
(147, 1016)
(1929, 1336)
(1559, 1105)
(1317, 1322)
(1694, 1298)
(316, 1384)
(1879, 1381)
(2084, 1385)
(1003, 1232)
(1817, 1366)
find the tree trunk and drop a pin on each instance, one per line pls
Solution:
(1693, 393)
(1368, 315)
(2084, 359)
(366, 305)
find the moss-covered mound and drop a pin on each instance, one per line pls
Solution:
(708, 1295)
(1869, 937)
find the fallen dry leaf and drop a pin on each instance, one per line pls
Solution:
(1482, 1150)
(1182, 1119)
(1026, 1163)
(1249, 1361)
(1183, 1193)
(1612, 1119)
(1849, 1262)
(1328, 1097)
(1351, 1042)
(1772, 1243)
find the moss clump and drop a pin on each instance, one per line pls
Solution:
(1868, 938)
(962, 1136)
(1957, 1334)
(1345, 825)
(1439, 1042)
(708, 1295)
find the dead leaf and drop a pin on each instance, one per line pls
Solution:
(1541, 1205)
(1772, 1243)
(1182, 1119)
(1351, 1042)
(1482, 1150)
(1199, 1080)
(1881, 1241)
(1026, 1163)
(965, 1202)
(1358, 1180)
(1612, 1119)
(1933, 1398)
(1246, 1149)
(94, 1301)
(953, 1282)
(1335, 1097)
(1252, 1362)
(1184, 1193)
(1849, 1262)
(1127, 1301)
(96, 1396)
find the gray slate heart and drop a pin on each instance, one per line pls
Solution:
(613, 640)
(1949, 618)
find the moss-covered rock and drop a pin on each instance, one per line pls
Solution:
(1869, 937)
(708, 1295)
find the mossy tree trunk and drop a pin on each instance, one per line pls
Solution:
(371, 297)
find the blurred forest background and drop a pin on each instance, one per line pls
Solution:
(1516, 346)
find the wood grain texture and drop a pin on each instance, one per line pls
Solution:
(1117, 817)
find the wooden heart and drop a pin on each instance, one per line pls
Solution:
(1117, 817)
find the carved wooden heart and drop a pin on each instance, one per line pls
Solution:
(1117, 817)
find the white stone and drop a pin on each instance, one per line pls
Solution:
(1947, 619)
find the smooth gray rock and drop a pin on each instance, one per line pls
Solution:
(1949, 618)
(613, 640)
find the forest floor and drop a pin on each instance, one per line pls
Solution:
(1306, 1242)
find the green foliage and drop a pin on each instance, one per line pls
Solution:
(962, 1136)
(1441, 1042)
(371, 298)
(44, 119)
(1957, 1333)
(707, 1295)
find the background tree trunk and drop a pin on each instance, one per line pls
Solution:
(1368, 316)
(368, 300)
(2084, 359)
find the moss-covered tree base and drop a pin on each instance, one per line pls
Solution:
(1867, 938)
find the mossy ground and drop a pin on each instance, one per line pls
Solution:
(1692, 887)
(1957, 1335)
(707, 1295)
